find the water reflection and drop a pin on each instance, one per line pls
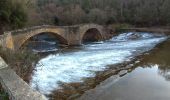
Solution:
(160, 56)
(149, 81)
(140, 84)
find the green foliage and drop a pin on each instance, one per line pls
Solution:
(4, 11)
(13, 14)
(18, 16)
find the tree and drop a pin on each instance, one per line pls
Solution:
(13, 13)
(68, 12)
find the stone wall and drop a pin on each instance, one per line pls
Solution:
(16, 88)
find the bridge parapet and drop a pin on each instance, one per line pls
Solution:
(25, 30)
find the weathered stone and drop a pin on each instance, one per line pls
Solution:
(109, 72)
(123, 72)
(128, 67)
(137, 61)
(15, 86)
(111, 79)
(72, 97)
(70, 35)
(2, 64)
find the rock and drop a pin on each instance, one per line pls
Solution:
(74, 96)
(128, 67)
(129, 70)
(17, 88)
(109, 72)
(68, 86)
(2, 64)
(123, 72)
(137, 61)
(108, 81)
(134, 36)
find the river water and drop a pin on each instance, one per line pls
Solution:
(74, 64)
(150, 80)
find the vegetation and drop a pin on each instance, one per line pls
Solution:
(13, 14)
(18, 13)
(22, 62)
(137, 12)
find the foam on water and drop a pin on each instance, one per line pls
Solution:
(74, 66)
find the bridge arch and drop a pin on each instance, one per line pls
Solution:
(71, 35)
(61, 41)
(91, 33)
(23, 38)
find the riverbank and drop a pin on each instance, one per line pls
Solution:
(118, 28)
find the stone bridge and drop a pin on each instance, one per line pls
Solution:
(69, 35)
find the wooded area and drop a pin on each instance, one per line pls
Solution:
(18, 13)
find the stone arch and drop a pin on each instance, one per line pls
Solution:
(60, 39)
(21, 39)
(91, 33)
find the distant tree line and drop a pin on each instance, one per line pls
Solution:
(18, 13)
(138, 12)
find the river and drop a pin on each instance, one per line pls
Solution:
(75, 64)
(149, 80)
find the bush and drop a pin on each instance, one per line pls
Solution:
(22, 62)
(13, 14)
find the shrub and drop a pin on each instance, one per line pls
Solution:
(22, 61)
